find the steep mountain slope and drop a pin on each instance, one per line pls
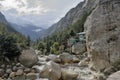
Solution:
(28, 30)
(4, 22)
(72, 16)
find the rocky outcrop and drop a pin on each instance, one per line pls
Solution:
(103, 34)
(28, 58)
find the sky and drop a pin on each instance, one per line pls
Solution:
(42, 13)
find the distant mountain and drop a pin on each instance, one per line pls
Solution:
(71, 17)
(28, 30)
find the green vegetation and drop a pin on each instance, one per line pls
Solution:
(11, 42)
(60, 38)
(8, 47)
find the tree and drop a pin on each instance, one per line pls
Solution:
(28, 41)
(8, 47)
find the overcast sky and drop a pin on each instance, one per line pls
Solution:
(42, 13)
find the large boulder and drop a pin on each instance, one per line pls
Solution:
(66, 57)
(79, 48)
(103, 34)
(114, 76)
(51, 70)
(28, 58)
(69, 75)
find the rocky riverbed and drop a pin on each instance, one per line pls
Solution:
(53, 67)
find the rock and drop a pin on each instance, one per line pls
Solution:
(66, 57)
(18, 64)
(75, 59)
(114, 76)
(27, 70)
(3, 66)
(79, 48)
(15, 68)
(31, 76)
(69, 75)
(5, 75)
(83, 63)
(103, 34)
(2, 72)
(51, 70)
(28, 58)
(8, 71)
(54, 58)
(22, 77)
(12, 75)
(19, 72)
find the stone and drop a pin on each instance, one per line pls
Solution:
(51, 70)
(8, 71)
(54, 58)
(69, 75)
(79, 48)
(114, 76)
(3, 66)
(18, 64)
(66, 57)
(15, 68)
(75, 59)
(28, 58)
(27, 70)
(103, 34)
(22, 77)
(2, 72)
(12, 75)
(83, 62)
(19, 72)
(31, 76)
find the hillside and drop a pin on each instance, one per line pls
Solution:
(72, 17)
(5, 28)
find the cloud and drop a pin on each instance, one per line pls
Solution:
(24, 6)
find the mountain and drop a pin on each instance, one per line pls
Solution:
(71, 17)
(28, 30)
(5, 23)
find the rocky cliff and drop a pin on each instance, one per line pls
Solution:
(103, 34)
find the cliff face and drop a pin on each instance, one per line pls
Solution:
(72, 16)
(103, 34)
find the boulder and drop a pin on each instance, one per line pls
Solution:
(53, 58)
(8, 71)
(114, 76)
(12, 75)
(102, 29)
(66, 57)
(79, 48)
(31, 76)
(69, 75)
(28, 58)
(51, 70)
(19, 72)
(27, 70)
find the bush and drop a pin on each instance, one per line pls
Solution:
(8, 47)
